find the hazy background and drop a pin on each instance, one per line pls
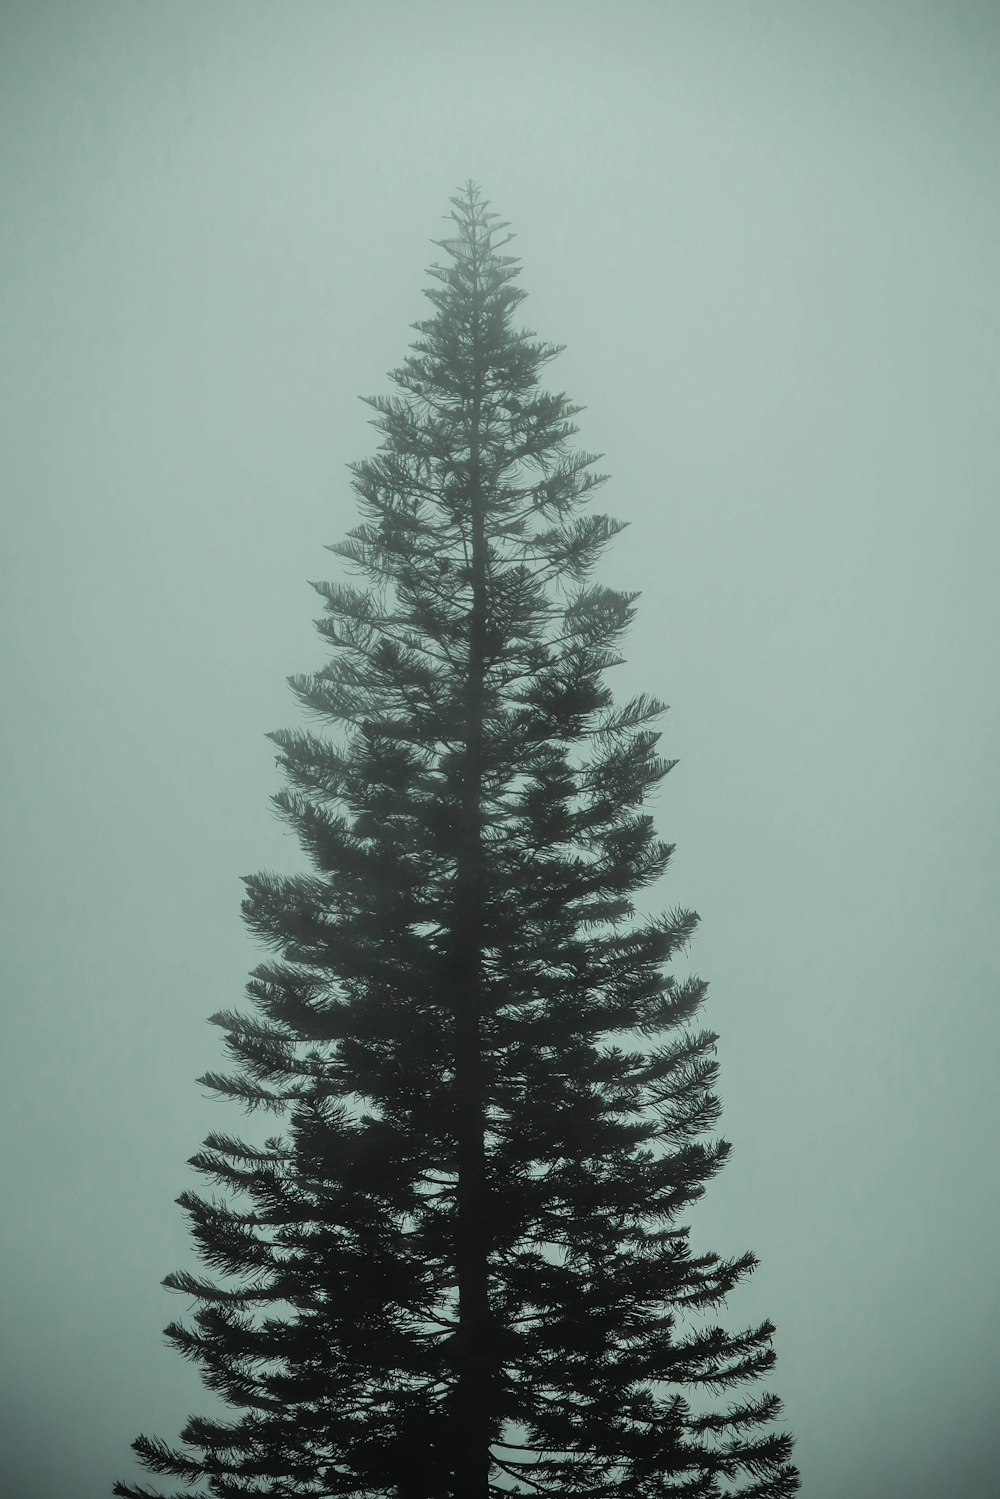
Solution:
(768, 235)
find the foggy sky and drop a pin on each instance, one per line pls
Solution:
(768, 236)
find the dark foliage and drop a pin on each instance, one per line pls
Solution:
(461, 1270)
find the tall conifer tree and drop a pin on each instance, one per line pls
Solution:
(462, 1269)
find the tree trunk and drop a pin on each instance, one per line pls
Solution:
(472, 1405)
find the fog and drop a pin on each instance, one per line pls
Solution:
(768, 237)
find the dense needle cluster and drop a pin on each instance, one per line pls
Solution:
(462, 1269)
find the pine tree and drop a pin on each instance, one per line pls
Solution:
(461, 1270)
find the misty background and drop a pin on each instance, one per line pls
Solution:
(768, 236)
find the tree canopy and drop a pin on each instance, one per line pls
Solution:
(462, 1268)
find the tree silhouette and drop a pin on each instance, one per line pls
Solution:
(461, 1271)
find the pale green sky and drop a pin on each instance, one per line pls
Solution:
(768, 235)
